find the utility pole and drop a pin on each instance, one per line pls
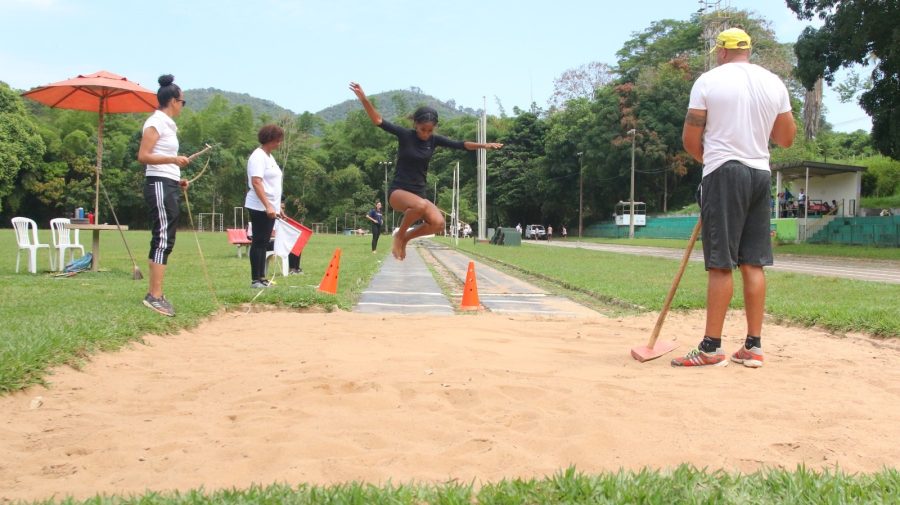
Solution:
(631, 219)
(580, 192)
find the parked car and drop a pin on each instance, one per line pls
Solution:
(535, 232)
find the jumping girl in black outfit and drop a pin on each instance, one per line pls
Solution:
(407, 191)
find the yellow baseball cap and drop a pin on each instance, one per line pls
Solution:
(732, 38)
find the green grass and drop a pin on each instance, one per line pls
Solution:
(882, 202)
(50, 321)
(684, 484)
(839, 251)
(835, 304)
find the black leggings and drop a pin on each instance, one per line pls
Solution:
(376, 232)
(261, 243)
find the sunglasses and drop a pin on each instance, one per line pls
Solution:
(183, 102)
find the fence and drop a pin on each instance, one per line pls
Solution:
(880, 231)
(677, 227)
(210, 221)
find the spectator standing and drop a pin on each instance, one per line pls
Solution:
(377, 218)
(801, 203)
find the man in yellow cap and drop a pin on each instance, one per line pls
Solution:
(734, 110)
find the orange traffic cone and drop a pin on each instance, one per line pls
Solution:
(330, 279)
(470, 291)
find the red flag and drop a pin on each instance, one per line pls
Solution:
(290, 237)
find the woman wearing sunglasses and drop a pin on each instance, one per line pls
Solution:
(159, 152)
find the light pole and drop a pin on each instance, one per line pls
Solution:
(580, 191)
(631, 219)
(385, 164)
(384, 206)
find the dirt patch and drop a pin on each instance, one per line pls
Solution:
(332, 397)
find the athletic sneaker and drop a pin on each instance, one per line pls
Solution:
(160, 305)
(752, 357)
(696, 357)
(295, 271)
(259, 284)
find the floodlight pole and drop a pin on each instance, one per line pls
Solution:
(481, 134)
(631, 220)
(385, 164)
(580, 191)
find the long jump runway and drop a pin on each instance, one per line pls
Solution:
(404, 287)
(408, 287)
(503, 293)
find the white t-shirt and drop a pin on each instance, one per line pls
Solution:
(167, 145)
(741, 101)
(263, 165)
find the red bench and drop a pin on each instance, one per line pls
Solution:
(238, 237)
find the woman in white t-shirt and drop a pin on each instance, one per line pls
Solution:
(159, 152)
(263, 199)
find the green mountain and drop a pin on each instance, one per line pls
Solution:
(198, 99)
(395, 103)
(391, 104)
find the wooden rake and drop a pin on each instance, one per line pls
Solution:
(655, 349)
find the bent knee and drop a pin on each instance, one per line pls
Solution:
(438, 223)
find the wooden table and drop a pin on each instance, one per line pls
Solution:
(95, 241)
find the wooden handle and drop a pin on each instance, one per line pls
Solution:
(200, 152)
(674, 288)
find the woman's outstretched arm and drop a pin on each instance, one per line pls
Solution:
(370, 109)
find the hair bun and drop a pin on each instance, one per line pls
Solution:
(165, 80)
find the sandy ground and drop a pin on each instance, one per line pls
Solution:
(325, 398)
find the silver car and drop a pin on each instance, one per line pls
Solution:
(535, 232)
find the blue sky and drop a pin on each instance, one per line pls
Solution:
(301, 54)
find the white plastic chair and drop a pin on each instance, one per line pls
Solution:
(270, 257)
(27, 238)
(62, 241)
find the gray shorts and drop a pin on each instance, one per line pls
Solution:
(734, 206)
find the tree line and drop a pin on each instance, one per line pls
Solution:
(579, 145)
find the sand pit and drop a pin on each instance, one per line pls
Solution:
(325, 398)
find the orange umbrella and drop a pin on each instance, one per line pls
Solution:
(103, 92)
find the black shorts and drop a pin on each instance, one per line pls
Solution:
(734, 206)
(420, 192)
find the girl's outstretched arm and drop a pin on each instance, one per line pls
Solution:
(471, 146)
(370, 109)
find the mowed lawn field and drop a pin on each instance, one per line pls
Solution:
(50, 321)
